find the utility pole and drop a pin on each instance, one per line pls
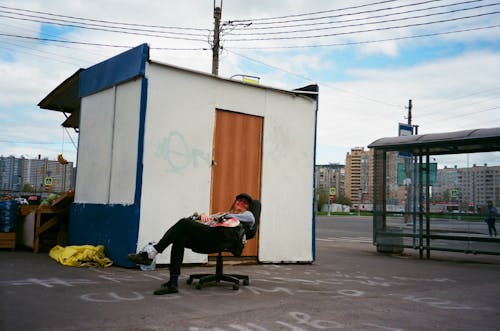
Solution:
(409, 183)
(216, 45)
(409, 112)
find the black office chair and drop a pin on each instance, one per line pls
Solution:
(235, 247)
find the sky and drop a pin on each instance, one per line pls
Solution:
(369, 58)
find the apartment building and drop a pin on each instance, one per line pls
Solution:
(331, 176)
(19, 175)
(477, 185)
(11, 170)
(359, 175)
(464, 188)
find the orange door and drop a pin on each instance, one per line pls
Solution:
(236, 164)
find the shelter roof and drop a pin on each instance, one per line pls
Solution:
(456, 142)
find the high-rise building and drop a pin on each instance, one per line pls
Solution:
(359, 175)
(478, 184)
(447, 186)
(19, 175)
(10, 174)
(467, 188)
(331, 176)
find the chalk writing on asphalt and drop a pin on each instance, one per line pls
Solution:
(296, 321)
(337, 285)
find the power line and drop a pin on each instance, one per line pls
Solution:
(353, 43)
(113, 29)
(459, 97)
(89, 26)
(308, 20)
(258, 47)
(308, 24)
(453, 117)
(104, 21)
(61, 58)
(96, 44)
(110, 26)
(11, 26)
(434, 114)
(30, 142)
(245, 21)
(116, 30)
(311, 80)
(364, 31)
(261, 39)
(366, 23)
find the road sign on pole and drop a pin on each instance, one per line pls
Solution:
(48, 181)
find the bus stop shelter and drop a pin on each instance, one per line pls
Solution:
(426, 231)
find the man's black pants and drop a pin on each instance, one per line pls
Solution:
(188, 233)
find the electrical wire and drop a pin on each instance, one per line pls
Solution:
(95, 44)
(353, 43)
(253, 20)
(460, 97)
(116, 30)
(334, 18)
(438, 124)
(139, 29)
(61, 58)
(260, 38)
(313, 81)
(364, 23)
(104, 21)
(363, 31)
(30, 142)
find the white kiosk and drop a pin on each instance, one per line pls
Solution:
(158, 142)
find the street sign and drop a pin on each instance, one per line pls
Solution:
(48, 181)
(405, 130)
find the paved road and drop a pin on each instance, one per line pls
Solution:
(349, 287)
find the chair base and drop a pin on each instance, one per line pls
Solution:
(219, 276)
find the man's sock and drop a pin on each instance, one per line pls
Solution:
(151, 250)
(174, 279)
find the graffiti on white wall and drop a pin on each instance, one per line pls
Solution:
(179, 154)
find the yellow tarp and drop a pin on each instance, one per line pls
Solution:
(80, 256)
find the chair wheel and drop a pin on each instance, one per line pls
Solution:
(189, 281)
(236, 287)
(198, 286)
(246, 282)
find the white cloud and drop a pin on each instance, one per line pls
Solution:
(347, 120)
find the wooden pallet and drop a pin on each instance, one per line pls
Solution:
(54, 217)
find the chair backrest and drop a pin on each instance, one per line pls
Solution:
(250, 232)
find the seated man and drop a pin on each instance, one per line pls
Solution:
(204, 231)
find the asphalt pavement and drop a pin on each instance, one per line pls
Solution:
(349, 287)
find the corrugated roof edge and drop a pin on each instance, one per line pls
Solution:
(437, 137)
(305, 91)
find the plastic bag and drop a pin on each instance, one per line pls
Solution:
(152, 266)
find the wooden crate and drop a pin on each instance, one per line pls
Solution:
(8, 240)
(51, 224)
